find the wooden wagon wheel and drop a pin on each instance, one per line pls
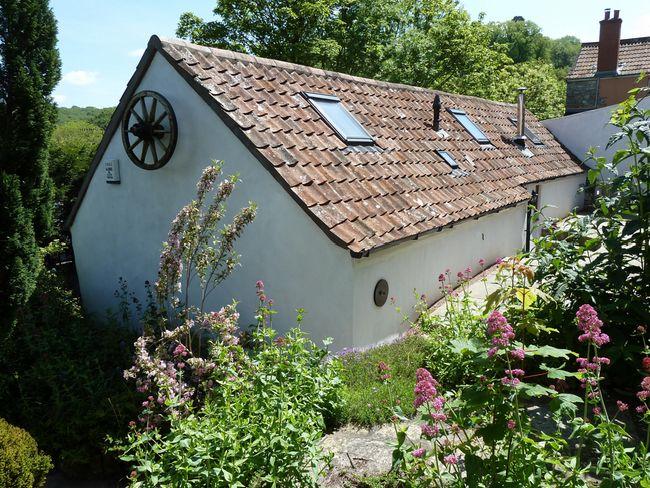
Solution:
(149, 130)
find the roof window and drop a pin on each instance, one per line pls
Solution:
(330, 108)
(469, 126)
(532, 137)
(448, 158)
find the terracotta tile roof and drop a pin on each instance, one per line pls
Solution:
(366, 197)
(633, 58)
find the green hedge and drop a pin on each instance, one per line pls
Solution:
(22, 465)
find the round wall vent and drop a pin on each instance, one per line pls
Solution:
(381, 292)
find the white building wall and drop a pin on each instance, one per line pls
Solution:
(414, 266)
(119, 229)
(579, 132)
(559, 197)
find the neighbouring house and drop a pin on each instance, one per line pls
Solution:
(366, 190)
(606, 70)
(585, 130)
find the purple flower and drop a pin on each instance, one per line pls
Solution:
(518, 354)
(590, 325)
(428, 430)
(451, 459)
(511, 424)
(419, 453)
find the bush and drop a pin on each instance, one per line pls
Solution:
(62, 379)
(22, 465)
(258, 426)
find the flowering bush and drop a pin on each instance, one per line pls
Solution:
(222, 407)
(482, 435)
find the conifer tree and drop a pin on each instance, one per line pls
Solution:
(29, 71)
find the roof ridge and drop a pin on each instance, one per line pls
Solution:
(249, 58)
(629, 40)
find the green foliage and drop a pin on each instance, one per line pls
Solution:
(62, 379)
(368, 397)
(259, 426)
(602, 258)
(564, 52)
(20, 260)
(523, 40)
(98, 117)
(546, 92)
(430, 43)
(72, 148)
(22, 465)
(29, 71)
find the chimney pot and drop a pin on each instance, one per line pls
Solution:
(609, 42)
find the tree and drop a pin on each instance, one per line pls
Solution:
(564, 51)
(72, 148)
(546, 93)
(29, 71)
(20, 261)
(523, 39)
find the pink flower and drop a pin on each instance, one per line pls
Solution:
(441, 277)
(518, 354)
(622, 407)
(419, 453)
(590, 325)
(515, 372)
(505, 381)
(641, 409)
(428, 430)
(425, 388)
(511, 424)
(645, 364)
(451, 459)
(460, 275)
(596, 410)
(382, 366)
(498, 261)
(481, 262)
(500, 331)
(438, 417)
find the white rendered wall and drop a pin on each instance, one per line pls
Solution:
(579, 132)
(415, 265)
(119, 229)
(560, 197)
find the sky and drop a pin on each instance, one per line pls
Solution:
(101, 42)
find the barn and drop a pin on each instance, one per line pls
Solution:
(366, 189)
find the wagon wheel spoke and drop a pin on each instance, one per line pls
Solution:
(160, 118)
(135, 144)
(137, 115)
(152, 112)
(154, 153)
(162, 131)
(145, 150)
(145, 113)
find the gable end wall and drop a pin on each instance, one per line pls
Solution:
(119, 229)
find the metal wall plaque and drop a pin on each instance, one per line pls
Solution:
(112, 169)
(381, 292)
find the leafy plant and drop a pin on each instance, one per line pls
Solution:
(61, 378)
(602, 258)
(22, 465)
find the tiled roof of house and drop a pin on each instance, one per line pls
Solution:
(366, 197)
(633, 58)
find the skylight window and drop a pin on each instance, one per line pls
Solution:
(532, 137)
(334, 113)
(470, 126)
(448, 158)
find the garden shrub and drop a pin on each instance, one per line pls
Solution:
(22, 465)
(61, 379)
(223, 407)
(481, 434)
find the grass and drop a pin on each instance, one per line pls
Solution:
(368, 398)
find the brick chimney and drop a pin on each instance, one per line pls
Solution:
(609, 42)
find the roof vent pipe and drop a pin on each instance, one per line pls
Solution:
(521, 116)
(437, 105)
